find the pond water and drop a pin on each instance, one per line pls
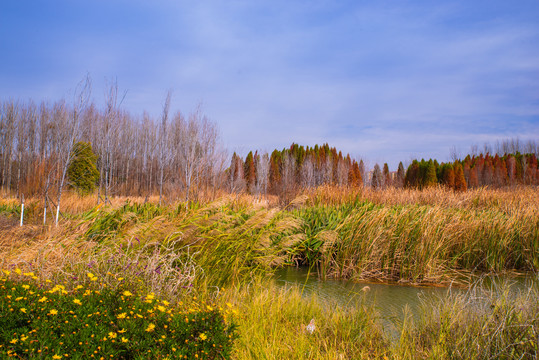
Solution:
(390, 301)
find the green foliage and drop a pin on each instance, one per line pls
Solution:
(106, 323)
(82, 172)
(430, 175)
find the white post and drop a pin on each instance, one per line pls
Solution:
(45, 215)
(57, 213)
(22, 209)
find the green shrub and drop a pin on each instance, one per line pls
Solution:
(83, 323)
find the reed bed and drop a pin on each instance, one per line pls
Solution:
(509, 199)
(486, 322)
(433, 236)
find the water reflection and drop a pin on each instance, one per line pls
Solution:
(390, 301)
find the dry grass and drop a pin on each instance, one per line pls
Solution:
(508, 199)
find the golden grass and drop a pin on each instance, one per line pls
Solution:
(509, 199)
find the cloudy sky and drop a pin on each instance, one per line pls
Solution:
(383, 80)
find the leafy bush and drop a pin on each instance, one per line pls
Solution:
(83, 323)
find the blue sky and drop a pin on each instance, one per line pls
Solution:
(383, 80)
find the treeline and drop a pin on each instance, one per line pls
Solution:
(135, 155)
(180, 156)
(475, 171)
(286, 171)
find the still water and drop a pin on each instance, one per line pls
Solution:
(391, 302)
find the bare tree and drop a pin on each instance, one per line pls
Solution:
(377, 180)
(164, 154)
(262, 164)
(308, 172)
(288, 174)
(342, 173)
(82, 95)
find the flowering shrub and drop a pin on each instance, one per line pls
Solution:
(54, 322)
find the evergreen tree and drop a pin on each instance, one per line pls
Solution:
(275, 171)
(430, 175)
(249, 172)
(82, 172)
(377, 179)
(460, 181)
(411, 180)
(387, 176)
(361, 167)
(400, 176)
(448, 175)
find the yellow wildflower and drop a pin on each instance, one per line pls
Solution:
(150, 328)
(56, 357)
(53, 312)
(161, 308)
(26, 287)
(23, 338)
(14, 341)
(202, 336)
(77, 301)
(29, 274)
(18, 271)
(166, 303)
(121, 316)
(122, 331)
(112, 335)
(23, 310)
(7, 272)
(43, 299)
(127, 293)
(124, 340)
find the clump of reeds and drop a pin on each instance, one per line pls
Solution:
(405, 239)
(486, 322)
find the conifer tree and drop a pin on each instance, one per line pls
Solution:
(411, 180)
(275, 171)
(460, 181)
(377, 180)
(361, 167)
(400, 176)
(82, 172)
(448, 176)
(430, 175)
(249, 172)
(387, 176)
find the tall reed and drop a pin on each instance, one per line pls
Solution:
(486, 322)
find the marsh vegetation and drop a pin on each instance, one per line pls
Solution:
(222, 254)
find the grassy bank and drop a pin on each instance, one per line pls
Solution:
(410, 236)
(220, 252)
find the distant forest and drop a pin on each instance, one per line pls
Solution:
(46, 147)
